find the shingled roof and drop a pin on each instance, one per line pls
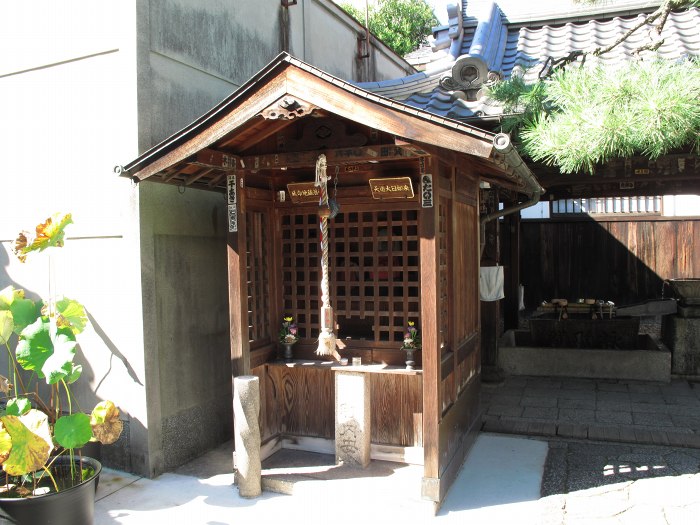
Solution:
(494, 46)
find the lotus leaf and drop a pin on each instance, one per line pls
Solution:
(106, 425)
(73, 431)
(7, 325)
(31, 442)
(18, 406)
(71, 314)
(47, 349)
(47, 234)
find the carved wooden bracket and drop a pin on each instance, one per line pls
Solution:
(288, 108)
(325, 133)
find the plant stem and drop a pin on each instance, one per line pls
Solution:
(47, 471)
(70, 405)
(15, 375)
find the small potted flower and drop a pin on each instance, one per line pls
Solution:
(411, 343)
(289, 335)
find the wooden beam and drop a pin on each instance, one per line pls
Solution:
(511, 301)
(194, 178)
(334, 157)
(214, 159)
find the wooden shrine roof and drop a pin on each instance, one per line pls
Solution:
(242, 133)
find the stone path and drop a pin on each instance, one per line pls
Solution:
(605, 483)
(603, 410)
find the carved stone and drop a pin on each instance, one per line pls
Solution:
(469, 74)
(246, 407)
(352, 418)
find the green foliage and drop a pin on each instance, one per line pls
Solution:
(49, 233)
(403, 25)
(71, 314)
(73, 431)
(583, 117)
(49, 350)
(46, 346)
(18, 406)
(30, 442)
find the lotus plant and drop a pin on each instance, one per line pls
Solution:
(34, 429)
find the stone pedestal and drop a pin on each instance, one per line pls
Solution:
(681, 333)
(246, 408)
(352, 418)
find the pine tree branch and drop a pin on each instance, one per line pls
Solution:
(552, 65)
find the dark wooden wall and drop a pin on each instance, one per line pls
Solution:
(620, 261)
(300, 401)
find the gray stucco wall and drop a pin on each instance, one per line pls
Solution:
(186, 328)
(193, 348)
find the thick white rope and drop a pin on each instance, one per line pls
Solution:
(326, 338)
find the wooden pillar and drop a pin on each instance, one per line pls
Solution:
(490, 310)
(237, 281)
(511, 302)
(430, 327)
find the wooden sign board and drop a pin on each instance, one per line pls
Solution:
(232, 201)
(303, 192)
(426, 192)
(391, 188)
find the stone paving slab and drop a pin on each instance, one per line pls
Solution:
(607, 410)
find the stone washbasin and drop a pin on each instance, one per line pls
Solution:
(647, 361)
(619, 333)
(686, 290)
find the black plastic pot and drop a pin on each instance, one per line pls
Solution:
(71, 506)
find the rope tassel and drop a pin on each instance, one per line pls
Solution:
(326, 339)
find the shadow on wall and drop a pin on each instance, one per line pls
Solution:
(622, 261)
(114, 353)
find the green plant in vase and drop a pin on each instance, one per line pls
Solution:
(40, 424)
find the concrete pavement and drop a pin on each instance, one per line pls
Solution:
(505, 480)
(600, 454)
(499, 483)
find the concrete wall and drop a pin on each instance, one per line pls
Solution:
(89, 85)
(68, 91)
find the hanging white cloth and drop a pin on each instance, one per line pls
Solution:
(491, 283)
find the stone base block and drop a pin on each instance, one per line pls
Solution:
(643, 365)
(682, 336)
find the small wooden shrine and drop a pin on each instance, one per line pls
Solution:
(401, 208)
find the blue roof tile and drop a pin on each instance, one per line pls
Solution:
(507, 46)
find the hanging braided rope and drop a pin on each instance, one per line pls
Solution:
(326, 339)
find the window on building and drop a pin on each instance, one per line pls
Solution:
(608, 206)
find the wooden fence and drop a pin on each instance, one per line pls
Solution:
(611, 259)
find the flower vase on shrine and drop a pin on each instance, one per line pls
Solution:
(411, 343)
(288, 338)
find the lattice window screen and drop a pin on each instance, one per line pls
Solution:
(301, 272)
(374, 279)
(257, 271)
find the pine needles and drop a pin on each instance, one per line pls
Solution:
(582, 117)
